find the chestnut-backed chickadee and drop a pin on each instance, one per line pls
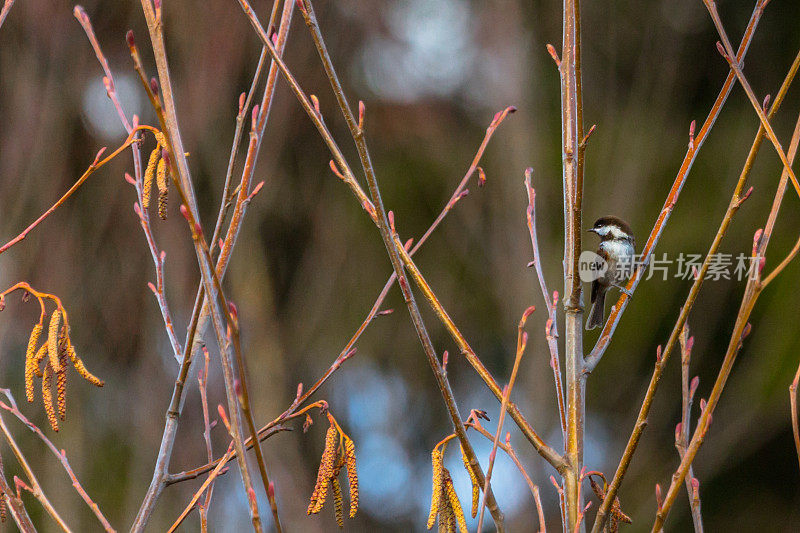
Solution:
(617, 251)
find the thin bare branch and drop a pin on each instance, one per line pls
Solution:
(733, 206)
(11, 407)
(727, 52)
(696, 142)
(4, 11)
(522, 341)
(393, 248)
(551, 327)
(682, 432)
(201, 311)
(741, 329)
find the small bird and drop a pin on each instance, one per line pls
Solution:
(617, 250)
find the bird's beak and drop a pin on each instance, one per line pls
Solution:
(592, 230)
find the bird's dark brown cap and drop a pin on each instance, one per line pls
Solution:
(611, 220)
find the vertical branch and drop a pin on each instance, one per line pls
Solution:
(572, 157)
(572, 152)
(682, 431)
(236, 389)
(793, 405)
(201, 311)
(202, 383)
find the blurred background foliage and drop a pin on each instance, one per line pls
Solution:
(309, 263)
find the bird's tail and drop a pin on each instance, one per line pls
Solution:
(597, 314)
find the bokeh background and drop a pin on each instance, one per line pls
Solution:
(309, 263)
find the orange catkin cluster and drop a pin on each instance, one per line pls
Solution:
(156, 168)
(444, 501)
(339, 453)
(55, 353)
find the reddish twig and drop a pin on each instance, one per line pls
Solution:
(34, 488)
(178, 171)
(16, 506)
(340, 164)
(695, 145)
(202, 384)
(11, 407)
(96, 164)
(682, 431)
(726, 50)
(206, 485)
(144, 217)
(506, 447)
(201, 303)
(793, 405)
(4, 12)
(522, 341)
(551, 327)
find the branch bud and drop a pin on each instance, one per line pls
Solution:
(552, 51)
(757, 240)
(693, 386)
(659, 499)
(391, 221)
(362, 111)
(254, 118)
